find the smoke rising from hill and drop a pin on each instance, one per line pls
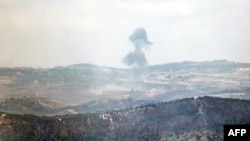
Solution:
(137, 58)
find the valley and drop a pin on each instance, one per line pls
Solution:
(176, 101)
(85, 85)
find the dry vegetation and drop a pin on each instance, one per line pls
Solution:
(175, 120)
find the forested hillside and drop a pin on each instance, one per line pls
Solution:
(186, 119)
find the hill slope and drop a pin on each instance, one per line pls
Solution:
(85, 83)
(185, 119)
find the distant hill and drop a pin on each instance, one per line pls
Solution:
(186, 119)
(79, 86)
(206, 66)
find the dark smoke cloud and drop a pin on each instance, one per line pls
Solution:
(140, 41)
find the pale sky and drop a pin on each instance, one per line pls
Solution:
(47, 33)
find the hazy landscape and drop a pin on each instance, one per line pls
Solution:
(97, 88)
(123, 70)
(88, 102)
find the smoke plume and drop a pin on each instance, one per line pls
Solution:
(140, 41)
